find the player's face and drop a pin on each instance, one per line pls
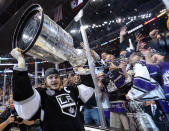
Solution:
(133, 59)
(103, 55)
(76, 79)
(11, 103)
(53, 81)
(65, 82)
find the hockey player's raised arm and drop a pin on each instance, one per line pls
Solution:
(26, 99)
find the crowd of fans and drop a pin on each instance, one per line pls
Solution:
(135, 82)
(133, 86)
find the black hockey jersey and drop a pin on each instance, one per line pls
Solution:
(58, 107)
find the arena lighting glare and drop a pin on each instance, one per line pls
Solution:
(120, 20)
(150, 20)
(163, 13)
(134, 29)
(73, 31)
(39, 36)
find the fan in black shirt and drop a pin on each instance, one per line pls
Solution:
(9, 119)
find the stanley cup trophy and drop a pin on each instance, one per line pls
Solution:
(39, 36)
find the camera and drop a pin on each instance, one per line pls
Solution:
(161, 45)
(116, 62)
(106, 68)
(17, 118)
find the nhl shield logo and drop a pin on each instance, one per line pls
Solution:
(67, 104)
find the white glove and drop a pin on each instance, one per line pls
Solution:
(16, 53)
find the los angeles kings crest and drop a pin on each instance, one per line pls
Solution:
(67, 104)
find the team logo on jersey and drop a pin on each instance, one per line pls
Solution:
(65, 88)
(111, 86)
(166, 78)
(67, 104)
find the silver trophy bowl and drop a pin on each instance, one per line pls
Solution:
(39, 36)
